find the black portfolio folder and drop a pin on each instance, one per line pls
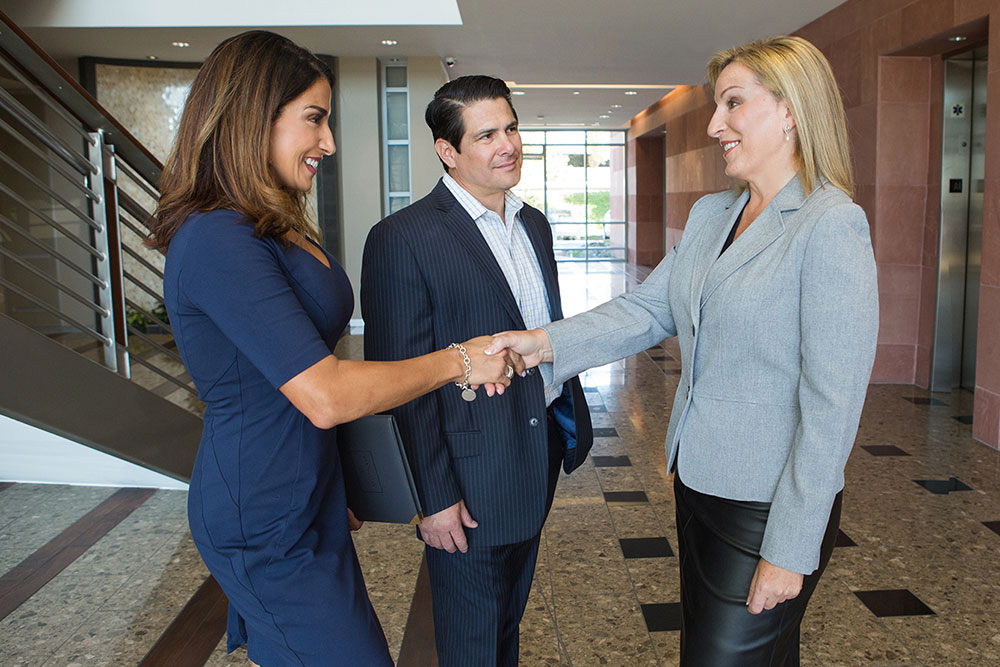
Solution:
(376, 473)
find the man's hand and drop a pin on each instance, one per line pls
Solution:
(533, 345)
(772, 585)
(353, 522)
(443, 530)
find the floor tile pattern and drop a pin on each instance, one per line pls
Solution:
(915, 551)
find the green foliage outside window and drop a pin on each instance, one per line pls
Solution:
(599, 202)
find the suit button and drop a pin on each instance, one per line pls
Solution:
(531, 371)
(533, 421)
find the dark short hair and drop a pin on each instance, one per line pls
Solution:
(444, 113)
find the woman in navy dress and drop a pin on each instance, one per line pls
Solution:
(257, 308)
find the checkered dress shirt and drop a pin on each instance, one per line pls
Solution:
(514, 253)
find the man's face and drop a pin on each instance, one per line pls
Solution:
(489, 159)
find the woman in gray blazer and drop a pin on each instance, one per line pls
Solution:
(772, 294)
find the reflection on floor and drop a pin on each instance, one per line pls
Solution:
(912, 582)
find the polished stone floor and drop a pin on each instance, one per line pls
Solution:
(913, 582)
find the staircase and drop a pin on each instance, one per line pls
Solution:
(85, 348)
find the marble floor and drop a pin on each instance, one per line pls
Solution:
(913, 580)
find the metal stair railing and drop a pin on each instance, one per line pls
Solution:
(76, 192)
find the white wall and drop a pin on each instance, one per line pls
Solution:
(357, 137)
(29, 454)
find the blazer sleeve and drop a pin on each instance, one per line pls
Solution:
(838, 312)
(396, 307)
(627, 324)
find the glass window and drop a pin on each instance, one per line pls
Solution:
(396, 116)
(395, 77)
(578, 179)
(399, 168)
(396, 203)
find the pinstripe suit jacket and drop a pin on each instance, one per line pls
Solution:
(428, 279)
(777, 340)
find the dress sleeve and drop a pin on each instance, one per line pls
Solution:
(237, 281)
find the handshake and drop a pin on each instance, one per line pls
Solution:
(496, 359)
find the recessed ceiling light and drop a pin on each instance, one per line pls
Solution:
(957, 38)
(631, 92)
(151, 58)
(389, 42)
(604, 115)
(180, 45)
(517, 92)
(616, 106)
(576, 92)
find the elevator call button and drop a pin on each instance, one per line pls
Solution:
(954, 185)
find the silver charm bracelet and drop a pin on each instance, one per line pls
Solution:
(467, 392)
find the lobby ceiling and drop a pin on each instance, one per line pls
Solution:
(635, 46)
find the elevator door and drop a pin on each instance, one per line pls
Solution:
(962, 159)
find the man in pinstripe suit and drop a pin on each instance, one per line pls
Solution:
(471, 258)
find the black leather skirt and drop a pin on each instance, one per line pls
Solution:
(719, 548)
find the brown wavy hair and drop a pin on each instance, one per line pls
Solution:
(220, 157)
(798, 73)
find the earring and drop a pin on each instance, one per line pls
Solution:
(788, 133)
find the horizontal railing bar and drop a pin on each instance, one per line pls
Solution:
(52, 223)
(132, 304)
(141, 285)
(167, 376)
(44, 187)
(136, 178)
(31, 122)
(135, 209)
(47, 99)
(71, 177)
(157, 346)
(103, 312)
(7, 222)
(75, 99)
(55, 313)
(142, 260)
(135, 230)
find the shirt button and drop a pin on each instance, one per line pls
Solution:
(533, 421)
(531, 371)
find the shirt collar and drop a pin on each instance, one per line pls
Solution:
(474, 207)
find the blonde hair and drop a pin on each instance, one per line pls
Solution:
(797, 73)
(220, 157)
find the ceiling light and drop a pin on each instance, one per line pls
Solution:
(517, 92)
(631, 92)
(958, 38)
(180, 45)
(576, 92)
(604, 115)
(616, 106)
(389, 42)
(151, 58)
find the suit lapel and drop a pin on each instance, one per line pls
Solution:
(768, 226)
(464, 229)
(709, 249)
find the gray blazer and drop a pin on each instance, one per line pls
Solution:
(777, 342)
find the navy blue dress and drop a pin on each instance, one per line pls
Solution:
(266, 503)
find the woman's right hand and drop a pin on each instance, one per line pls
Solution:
(493, 370)
(532, 346)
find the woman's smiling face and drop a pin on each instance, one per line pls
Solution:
(749, 123)
(300, 137)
